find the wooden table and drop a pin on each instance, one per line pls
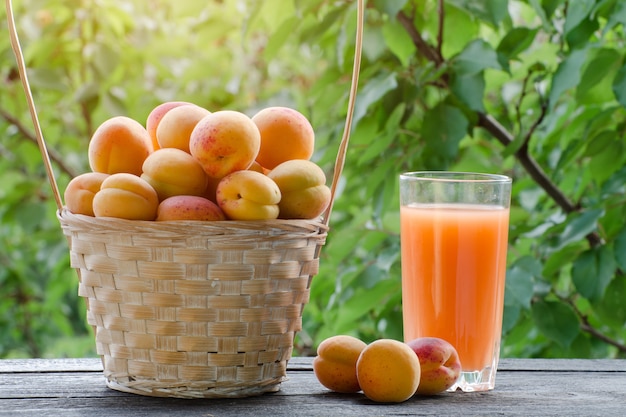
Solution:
(525, 387)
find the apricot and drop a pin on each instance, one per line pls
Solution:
(188, 207)
(388, 371)
(224, 142)
(303, 188)
(285, 134)
(80, 192)
(155, 116)
(440, 365)
(248, 195)
(119, 144)
(177, 124)
(126, 196)
(335, 363)
(172, 171)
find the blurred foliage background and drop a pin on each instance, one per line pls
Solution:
(535, 89)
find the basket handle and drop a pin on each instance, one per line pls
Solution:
(43, 149)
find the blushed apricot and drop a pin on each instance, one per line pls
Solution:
(119, 144)
(80, 192)
(224, 142)
(335, 363)
(188, 207)
(388, 371)
(285, 134)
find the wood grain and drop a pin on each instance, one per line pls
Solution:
(75, 387)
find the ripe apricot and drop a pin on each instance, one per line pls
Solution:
(81, 190)
(126, 196)
(189, 207)
(303, 188)
(172, 171)
(285, 134)
(388, 371)
(155, 116)
(119, 144)
(224, 142)
(335, 363)
(248, 195)
(177, 124)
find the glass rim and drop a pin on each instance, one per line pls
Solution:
(455, 176)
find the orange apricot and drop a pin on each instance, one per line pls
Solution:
(335, 363)
(119, 144)
(388, 371)
(285, 134)
(80, 192)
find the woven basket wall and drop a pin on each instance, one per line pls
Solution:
(194, 309)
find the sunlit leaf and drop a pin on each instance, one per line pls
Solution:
(579, 226)
(399, 42)
(477, 56)
(567, 75)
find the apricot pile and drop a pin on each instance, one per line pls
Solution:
(188, 163)
(387, 370)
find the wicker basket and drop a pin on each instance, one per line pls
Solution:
(194, 309)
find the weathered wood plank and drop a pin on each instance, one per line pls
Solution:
(304, 363)
(76, 387)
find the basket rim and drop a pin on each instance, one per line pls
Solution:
(278, 227)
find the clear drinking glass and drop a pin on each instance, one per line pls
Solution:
(454, 234)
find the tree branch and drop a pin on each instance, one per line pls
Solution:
(441, 12)
(54, 156)
(587, 327)
(422, 46)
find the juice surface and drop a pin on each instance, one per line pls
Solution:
(453, 274)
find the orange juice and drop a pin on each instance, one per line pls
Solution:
(453, 273)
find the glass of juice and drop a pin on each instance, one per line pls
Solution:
(454, 234)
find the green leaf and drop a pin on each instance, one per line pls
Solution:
(567, 75)
(399, 42)
(549, 6)
(372, 92)
(579, 226)
(279, 37)
(579, 36)
(516, 41)
(557, 321)
(577, 12)
(612, 308)
(362, 302)
(602, 63)
(469, 89)
(619, 86)
(490, 11)
(519, 287)
(620, 249)
(477, 56)
(593, 271)
(444, 127)
(604, 164)
(390, 7)
(616, 17)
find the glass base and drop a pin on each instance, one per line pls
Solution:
(475, 381)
